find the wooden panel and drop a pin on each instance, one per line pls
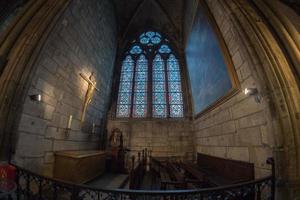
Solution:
(79, 166)
(229, 169)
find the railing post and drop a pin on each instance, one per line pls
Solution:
(271, 162)
(139, 157)
(18, 183)
(131, 178)
(258, 192)
(75, 193)
(145, 161)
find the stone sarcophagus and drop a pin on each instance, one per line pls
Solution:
(79, 166)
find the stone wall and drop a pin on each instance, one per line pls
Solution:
(170, 138)
(83, 41)
(240, 128)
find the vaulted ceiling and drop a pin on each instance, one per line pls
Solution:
(135, 16)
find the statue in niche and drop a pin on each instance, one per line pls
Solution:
(89, 93)
(116, 138)
(117, 151)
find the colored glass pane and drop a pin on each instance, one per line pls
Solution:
(125, 86)
(158, 63)
(164, 49)
(159, 111)
(126, 76)
(159, 98)
(172, 64)
(128, 64)
(140, 98)
(175, 98)
(176, 110)
(150, 38)
(159, 87)
(137, 71)
(139, 110)
(140, 86)
(136, 50)
(158, 76)
(174, 76)
(124, 98)
(123, 110)
(174, 86)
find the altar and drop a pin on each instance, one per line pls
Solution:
(79, 166)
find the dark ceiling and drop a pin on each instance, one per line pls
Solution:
(164, 15)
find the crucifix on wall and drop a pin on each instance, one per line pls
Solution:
(89, 93)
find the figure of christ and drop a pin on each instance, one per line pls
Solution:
(89, 93)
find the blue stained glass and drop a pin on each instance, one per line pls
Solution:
(136, 50)
(150, 34)
(174, 86)
(159, 87)
(139, 105)
(156, 40)
(124, 98)
(172, 64)
(175, 98)
(126, 76)
(142, 63)
(164, 49)
(141, 76)
(127, 64)
(174, 76)
(176, 110)
(145, 40)
(125, 86)
(158, 76)
(159, 111)
(150, 38)
(140, 86)
(123, 110)
(159, 98)
(158, 63)
(140, 98)
(139, 110)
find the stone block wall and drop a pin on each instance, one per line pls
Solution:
(83, 41)
(240, 128)
(165, 138)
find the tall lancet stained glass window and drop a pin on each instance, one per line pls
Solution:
(150, 80)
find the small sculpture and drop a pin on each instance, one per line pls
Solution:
(89, 93)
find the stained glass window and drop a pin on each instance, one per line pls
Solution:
(124, 99)
(175, 93)
(159, 108)
(140, 88)
(161, 95)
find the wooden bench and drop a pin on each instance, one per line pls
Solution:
(193, 174)
(220, 171)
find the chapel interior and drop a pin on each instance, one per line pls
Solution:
(150, 95)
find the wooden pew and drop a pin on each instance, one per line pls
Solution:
(193, 174)
(221, 171)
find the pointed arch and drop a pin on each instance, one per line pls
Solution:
(147, 86)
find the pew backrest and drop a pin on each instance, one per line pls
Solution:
(236, 171)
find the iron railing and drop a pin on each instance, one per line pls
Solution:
(33, 186)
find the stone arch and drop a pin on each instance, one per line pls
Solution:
(20, 57)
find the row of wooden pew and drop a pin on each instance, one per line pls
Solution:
(209, 171)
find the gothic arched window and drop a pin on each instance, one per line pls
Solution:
(150, 81)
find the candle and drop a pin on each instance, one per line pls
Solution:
(93, 129)
(70, 122)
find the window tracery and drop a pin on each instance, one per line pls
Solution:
(150, 80)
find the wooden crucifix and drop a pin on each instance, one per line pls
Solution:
(89, 93)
